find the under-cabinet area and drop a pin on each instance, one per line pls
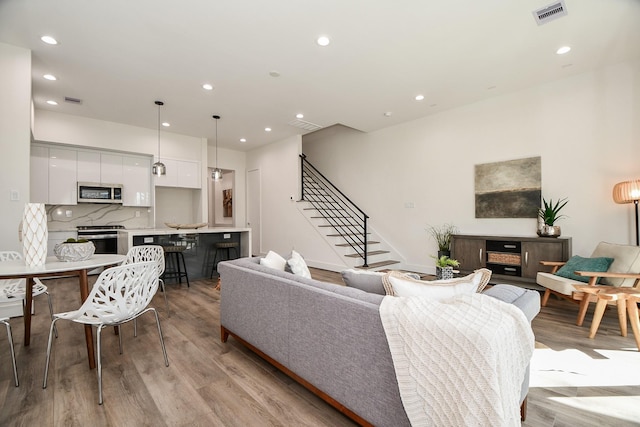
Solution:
(512, 259)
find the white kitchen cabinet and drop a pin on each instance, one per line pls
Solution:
(110, 168)
(188, 174)
(62, 176)
(99, 168)
(180, 173)
(39, 184)
(88, 169)
(136, 181)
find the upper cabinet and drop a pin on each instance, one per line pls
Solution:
(56, 171)
(180, 173)
(101, 168)
(53, 175)
(136, 181)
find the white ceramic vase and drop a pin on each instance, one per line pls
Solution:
(34, 234)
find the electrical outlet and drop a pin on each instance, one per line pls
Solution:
(226, 236)
(14, 195)
(409, 205)
(68, 213)
(137, 214)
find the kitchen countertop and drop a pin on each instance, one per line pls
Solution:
(165, 231)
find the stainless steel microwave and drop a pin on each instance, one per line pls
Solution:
(90, 192)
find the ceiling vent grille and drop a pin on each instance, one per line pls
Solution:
(72, 100)
(305, 125)
(551, 12)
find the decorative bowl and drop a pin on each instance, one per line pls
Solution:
(186, 226)
(70, 252)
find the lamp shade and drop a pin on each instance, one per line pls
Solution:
(627, 191)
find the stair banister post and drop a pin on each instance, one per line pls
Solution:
(365, 242)
(302, 157)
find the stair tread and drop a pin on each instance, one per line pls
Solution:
(371, 242)
(330, 217)
(339, 225)
(378, 264)
(345, 234)
(370, 253)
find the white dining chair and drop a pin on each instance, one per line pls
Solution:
(5, 321)
(120, 294)
(16, 289)
(143, 253)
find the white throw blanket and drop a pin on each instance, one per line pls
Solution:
(459, 362)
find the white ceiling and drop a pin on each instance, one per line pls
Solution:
(119, 56)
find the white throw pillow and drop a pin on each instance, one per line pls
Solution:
(403, 286)
(298, 266)
(273, 260)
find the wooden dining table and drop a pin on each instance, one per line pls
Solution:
(17, 269)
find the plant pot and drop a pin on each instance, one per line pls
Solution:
(549, 231)
(444, 253)
(74, 251)
(444, 273)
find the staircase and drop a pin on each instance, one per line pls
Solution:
(342, 222)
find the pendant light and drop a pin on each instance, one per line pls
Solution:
(217, 173)
(159, 168)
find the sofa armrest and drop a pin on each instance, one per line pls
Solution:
(525, 299)
(555, 264)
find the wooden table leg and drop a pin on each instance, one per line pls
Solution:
(632, 309)
(597, 316)
(88, 330)
(27, 311)
(622, 314)
(582, 312)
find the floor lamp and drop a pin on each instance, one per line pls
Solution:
(628, 192)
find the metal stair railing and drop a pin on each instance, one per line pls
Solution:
(344, 216)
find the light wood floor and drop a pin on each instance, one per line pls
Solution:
(575, 381)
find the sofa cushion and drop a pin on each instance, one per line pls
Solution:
(578, 263)
(398, 284)
(298, 265)
(626, 259)
(368, 281)
(526, 300)
(273, 260)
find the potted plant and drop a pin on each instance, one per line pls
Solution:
(548, 215)
(444, 267)
(442, 236)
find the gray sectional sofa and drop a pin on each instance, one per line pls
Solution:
(327, 337)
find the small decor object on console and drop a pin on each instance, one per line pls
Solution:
(34, 234)
(548, 215)
(74, 250)
(444, 267)
(442, 236)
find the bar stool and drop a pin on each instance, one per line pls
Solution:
(173, 256)
(223, 253)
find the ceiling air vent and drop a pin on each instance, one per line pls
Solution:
(551, 12)
(305, 125)
(72, 100)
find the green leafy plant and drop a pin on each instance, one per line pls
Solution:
(549, 213)
(445, 261)
(442, 235)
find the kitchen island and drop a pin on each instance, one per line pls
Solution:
(199, 244)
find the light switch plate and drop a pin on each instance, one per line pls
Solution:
(15, 195)
(148, 239)
(226, 236)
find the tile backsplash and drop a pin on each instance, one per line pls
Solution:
(68, 217)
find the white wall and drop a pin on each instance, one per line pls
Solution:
(15, 133)
(283, 227)
(586, 128)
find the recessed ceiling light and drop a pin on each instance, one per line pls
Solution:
(300, 116)
(166, 124)
(52, 102)
(243, 139)
(563, 50)
(388, 114)
(49, 40)
(267, 129)
(207, 86)
(419, 97)
(323, 41)
(274, 73)
(50, 77)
